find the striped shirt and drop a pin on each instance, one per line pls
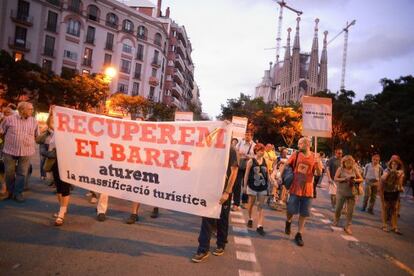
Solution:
(19, 135)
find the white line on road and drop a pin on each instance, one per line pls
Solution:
(238, 213)
(242, 241)
(349, 238)
(248, 273)
(246, 256)
(318, 215)
(334, 228)
(238, 220)
(313, 209)
(240, 229)
(327, 221)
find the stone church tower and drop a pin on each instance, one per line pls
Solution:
(301, 74)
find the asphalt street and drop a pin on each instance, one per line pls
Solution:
(31, 245)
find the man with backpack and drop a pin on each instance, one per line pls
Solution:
(305, 164)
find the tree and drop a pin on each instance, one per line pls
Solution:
(133, 105)
(161, 112)
(288, 122)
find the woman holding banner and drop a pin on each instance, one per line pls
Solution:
(51, 165)
(256, 185)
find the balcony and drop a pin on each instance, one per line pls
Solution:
(75, 9)
(19, 44)
(111, 24)
(178, 76)
(176, 102)
(137, 75)
(109, 46)
(156, 63)
(142, 36)
(153, 81)
(179, 61)
(21, 18)
(55, 2)
(178, 89)
(87, 62)
(181, 46)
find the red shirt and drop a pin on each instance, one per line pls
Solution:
(302, 184)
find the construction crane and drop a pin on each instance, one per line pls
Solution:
(344, 54)
(282, 5)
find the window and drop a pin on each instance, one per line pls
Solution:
(54, 2)
(90, 35)
(20, 36)
(140, 52)
(93, 13)
(112, 20)
(107, 59)
(122, 87)
(87, 57)
(154, 72)
(157, 39)
(47, 65)
(126, 48)
(75, 6)
(23, 10)
(135, 89)
(68, 73)
(142, 33)
(70, 55)
(155, 59)
(49, 46)
(125, 66)
(109, 41)
(151, 93)
(51, 21)
(73, 27)
(137, 73)
(128, 26)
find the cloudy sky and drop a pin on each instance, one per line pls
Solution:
(229, 37)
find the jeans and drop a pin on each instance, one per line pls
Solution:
(350, 204)
(16, 171)
(222, 229)
(371, 195)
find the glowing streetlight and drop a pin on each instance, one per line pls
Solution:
(110, 72)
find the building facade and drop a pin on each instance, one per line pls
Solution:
(87, 36)
(300, 74)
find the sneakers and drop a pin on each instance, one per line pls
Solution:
(218, 251)
(298, 239)
(200, 256)
(260, 230)
(370, 211)
(154, 213)
(250, 223)
(287, 227)
(101, 217)
(19, 198)
(348, 230)
(132, 219)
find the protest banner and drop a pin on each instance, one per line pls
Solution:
(180, 116)
(172, 165)
(317, 116)
(239, 127)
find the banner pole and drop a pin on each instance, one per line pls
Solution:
(316, 144)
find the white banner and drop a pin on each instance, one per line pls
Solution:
(173, 165)
(239, 127)
(317, 116)
(180, 116)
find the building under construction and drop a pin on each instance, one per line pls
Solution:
(299, 74)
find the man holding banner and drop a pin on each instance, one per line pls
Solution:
(222, 223)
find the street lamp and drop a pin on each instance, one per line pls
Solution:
(109, 73)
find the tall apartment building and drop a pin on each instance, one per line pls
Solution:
(86, 36)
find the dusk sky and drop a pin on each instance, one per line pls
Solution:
(229, 37)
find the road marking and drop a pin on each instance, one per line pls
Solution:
(240, 229)
(326, 221)
(313, 209)
(399, 264)
(238, 220)
(238, 213)
(349, 238)
(242, 241)
(318, 215)
(248, 273)
(334, 228)
(246, 256)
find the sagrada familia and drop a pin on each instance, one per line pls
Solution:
(300, 74)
